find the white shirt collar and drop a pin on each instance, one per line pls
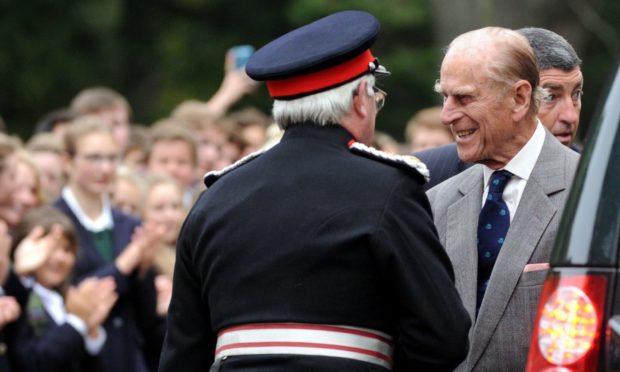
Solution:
(52, 302)
(103, 222)
(522, 164)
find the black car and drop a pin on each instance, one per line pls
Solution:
(578, 323)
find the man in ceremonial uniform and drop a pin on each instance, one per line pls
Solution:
(319, 254)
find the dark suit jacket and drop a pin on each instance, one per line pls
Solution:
(132, 322)
(49, 348)
(13, 287)
(443, 162)
(310, 232)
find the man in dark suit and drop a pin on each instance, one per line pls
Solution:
(319, 254)
(498, 219)
(562, 80)
(442, 162)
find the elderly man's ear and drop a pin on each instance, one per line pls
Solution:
(521, 99)
(360, 98)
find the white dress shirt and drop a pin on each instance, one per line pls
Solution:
(103, 222)
(521, 166)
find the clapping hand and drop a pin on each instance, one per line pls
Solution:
(140, 251)
(163, 285)
(92, 301)
(150, 236)
(5, 249)
(9, 310)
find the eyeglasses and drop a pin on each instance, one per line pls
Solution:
(379, 98)
(99, 159)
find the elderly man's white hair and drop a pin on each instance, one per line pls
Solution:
(323, 108)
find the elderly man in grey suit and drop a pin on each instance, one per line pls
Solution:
(499, 218)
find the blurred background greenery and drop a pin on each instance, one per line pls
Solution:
(160, 52)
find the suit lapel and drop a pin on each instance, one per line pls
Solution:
(461, 237)
(533, 215)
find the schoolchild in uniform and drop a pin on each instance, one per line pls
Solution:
(60, 326)
(113, 244)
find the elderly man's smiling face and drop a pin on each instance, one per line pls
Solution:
(476, 109)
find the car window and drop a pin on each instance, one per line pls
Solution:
(591, 223)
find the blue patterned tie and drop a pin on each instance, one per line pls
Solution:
(493, 226)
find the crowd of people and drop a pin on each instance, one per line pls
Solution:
(90, 212)
(92, 208)
(106, 199)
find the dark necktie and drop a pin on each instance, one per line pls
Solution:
(104, 243)
(493, 225)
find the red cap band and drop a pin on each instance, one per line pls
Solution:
(319, 80)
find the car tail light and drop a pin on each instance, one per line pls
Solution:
(568, 324)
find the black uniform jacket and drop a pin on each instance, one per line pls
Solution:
(310, 232)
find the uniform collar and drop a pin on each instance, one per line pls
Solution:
(332, 133)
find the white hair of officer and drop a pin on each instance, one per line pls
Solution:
(324, 108)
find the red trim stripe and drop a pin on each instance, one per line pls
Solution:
(320, 80)
(241, 345)
(307, 327)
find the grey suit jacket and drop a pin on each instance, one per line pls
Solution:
(500, 337)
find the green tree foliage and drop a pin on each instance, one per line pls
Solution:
(405, 46)
(600, 54)
(161, 52)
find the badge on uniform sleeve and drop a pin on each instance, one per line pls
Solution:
(403, 161)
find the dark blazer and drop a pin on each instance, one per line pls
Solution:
(12, 287)
(310, 232)
(501, 335)
(443, 162)
(133, 321)
(49, 347)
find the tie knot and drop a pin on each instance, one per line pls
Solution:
(498, 182)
